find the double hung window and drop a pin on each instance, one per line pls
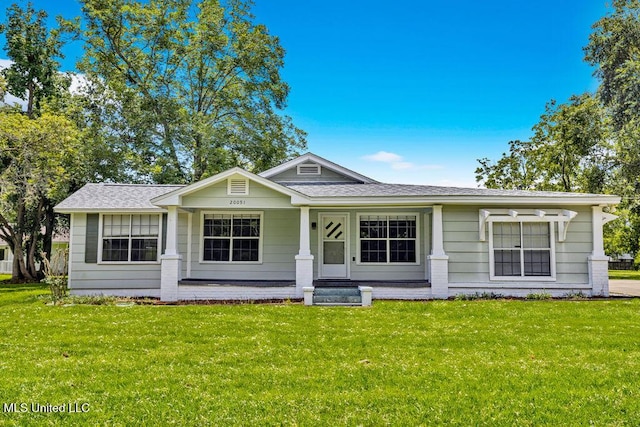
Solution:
(230, 237)
(522, 249)
(130, 238)
(388, 238)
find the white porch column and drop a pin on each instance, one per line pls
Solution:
(171, 265)
(598, 261)
(438, 260)
(304, 259)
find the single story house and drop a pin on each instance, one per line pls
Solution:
(310, 223)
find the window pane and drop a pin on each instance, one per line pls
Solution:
(144, 249)
(217, 225)
(145, 225)
(507, 263)
(373, 251)
(403, 227)
(333, 252)
(537, 263)
(535, 235)
(246, 226)
(115, 225)
(245, 249)
(403, 251)
(373, 227)
(216, 249)
(115, 249)
(506, 235)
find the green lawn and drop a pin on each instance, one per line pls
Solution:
(624, 274)
(398, 363)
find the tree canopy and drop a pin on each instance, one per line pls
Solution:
(591, 143)
(198, 85)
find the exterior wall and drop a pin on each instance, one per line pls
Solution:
(96, 278)
(373, 271)
(242, 293)
(6, 265)
(326, 175)
(280, 241)
(469, 257)
(215, 196)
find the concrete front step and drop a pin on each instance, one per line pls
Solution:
(354, 296)
(335, 296)
(330, 299)
(352, 291)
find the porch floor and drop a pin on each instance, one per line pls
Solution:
(250, 283)
(332, 283)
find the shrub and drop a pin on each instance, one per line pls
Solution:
(539, 296)
(55, 273)
(478, 296)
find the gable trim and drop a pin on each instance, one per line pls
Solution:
(310, 157)
(174, 198)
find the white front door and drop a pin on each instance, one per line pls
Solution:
(334, 232)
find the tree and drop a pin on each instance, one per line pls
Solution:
(26, 188)
(34, 51)
(39, 158)
(197, 85)
(614, 49)
(569, 151)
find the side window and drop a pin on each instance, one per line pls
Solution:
(130, 238)
(522, 249)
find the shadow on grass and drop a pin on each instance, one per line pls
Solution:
(6, 286)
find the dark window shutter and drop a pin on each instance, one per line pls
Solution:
(164, 233)
(91, 246)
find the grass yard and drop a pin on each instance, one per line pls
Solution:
(397, 363)
(624, 274)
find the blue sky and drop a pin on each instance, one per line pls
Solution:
(416, 91)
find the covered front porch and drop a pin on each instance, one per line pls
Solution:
(321, 261)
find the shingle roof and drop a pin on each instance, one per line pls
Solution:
(115, 196)
(403, 190)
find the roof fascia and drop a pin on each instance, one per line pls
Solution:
(458, 200)
(322, 162)
(109, 210)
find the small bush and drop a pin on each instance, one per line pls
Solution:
(55, 273)
(539, 296)
(576, 295)
(478, 296)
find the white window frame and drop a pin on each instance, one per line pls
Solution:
(131, 214)
(522, 278)
(387, 214)
(232, 213)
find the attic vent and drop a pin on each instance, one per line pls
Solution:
(309, 169)
(237, 187)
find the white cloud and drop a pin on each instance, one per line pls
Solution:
(384, 156)
(397, 162)
(402, 165)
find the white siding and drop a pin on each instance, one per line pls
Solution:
(368, 271)
(326, 175)
(280, 245)
(105, 276)
(215, 196)
(6, 265)
(469, 257)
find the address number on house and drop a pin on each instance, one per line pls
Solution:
(237, 202)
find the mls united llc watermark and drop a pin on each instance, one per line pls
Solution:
(70, 407)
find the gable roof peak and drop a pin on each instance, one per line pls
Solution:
(306, 157)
